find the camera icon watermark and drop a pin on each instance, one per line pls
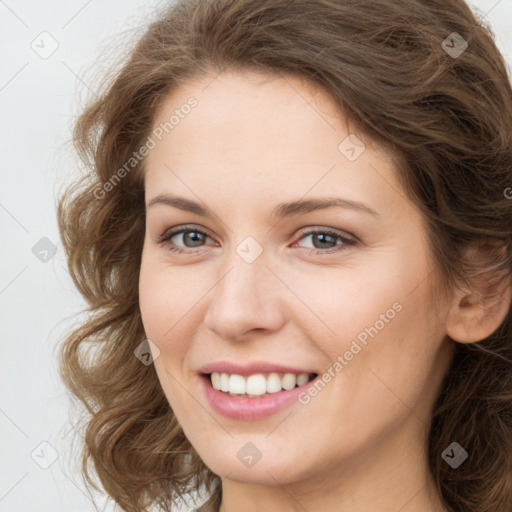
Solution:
(249, 249)
(454, 455)
(147, 352)
(44, 250)
(454, 45)
(351, 147)
(45, 45)
(44, 455)
(249, 455)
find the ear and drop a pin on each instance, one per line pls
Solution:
(481, 305)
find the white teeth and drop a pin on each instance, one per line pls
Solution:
(273, 383)
(302, 379)
(257, 384)
(236, 384)
(224, 382)
(289, 381)
(216, 380)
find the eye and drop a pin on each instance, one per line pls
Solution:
(188, 235)
(324, 240)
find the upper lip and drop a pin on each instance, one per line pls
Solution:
(250, 368)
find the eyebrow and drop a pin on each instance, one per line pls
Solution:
(281, 211)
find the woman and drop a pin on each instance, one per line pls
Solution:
(294, 235)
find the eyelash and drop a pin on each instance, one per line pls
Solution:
(327, 231)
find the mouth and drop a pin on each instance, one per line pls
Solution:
(254, 396)
(256, 385)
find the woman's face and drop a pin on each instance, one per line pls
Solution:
(339, 291)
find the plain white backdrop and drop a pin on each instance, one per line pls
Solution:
(48, 49)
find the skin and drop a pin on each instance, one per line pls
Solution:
(252, 142)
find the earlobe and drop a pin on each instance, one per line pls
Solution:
(476, 313)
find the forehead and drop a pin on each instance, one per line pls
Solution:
(262, 137)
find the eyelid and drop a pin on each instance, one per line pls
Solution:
(180, 229)
(324, 229)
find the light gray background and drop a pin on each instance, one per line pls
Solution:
(39, 98)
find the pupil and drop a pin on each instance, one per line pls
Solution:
(195, 235)
(323, 236)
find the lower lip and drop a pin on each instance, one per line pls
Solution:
(244, 408)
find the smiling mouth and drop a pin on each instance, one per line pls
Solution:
(258, 384)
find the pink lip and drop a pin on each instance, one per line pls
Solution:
(250, 369)
(244, 408)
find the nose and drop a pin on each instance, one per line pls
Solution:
(245, 300)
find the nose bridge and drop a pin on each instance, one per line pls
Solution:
(242, 299)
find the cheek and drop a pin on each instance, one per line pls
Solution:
(160, 300)
(171, 311)
(389, 368)
(345, 303)
(150, 303)
(165, 304)
(382, 326)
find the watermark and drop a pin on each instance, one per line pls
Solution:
(454, 455)
(454, 45)
(341, 361)
(249, 455)
(44, 250)
(44, 45)
(147, 352)
(351, 147)
(508, 193)
(137, 156)
(44, 455)
(249, 249)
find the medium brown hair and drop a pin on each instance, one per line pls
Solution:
(448, 121)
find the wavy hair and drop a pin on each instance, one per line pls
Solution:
(387, 63)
